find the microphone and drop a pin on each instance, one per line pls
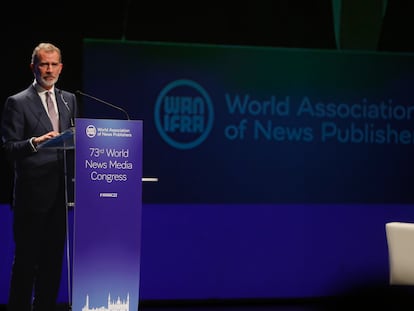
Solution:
(72, 124)
(105, 102)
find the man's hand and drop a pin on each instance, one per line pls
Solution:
(45, 137)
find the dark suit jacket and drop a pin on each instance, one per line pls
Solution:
(38, 174)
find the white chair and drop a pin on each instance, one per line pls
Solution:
(400, 241)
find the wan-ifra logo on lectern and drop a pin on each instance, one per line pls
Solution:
(183, 114)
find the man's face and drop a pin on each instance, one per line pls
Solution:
(47, 69)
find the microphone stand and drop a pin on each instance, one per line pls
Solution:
(106, 103)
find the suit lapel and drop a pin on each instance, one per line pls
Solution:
(38, 109)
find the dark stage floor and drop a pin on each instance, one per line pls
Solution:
(390, 298)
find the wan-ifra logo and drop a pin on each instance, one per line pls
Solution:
(183, 114)
(90, 131)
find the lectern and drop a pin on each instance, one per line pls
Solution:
(107, 212)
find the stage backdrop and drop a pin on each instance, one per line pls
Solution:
(240, 125)
(278, 168)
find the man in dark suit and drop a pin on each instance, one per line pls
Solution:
(39, 198)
